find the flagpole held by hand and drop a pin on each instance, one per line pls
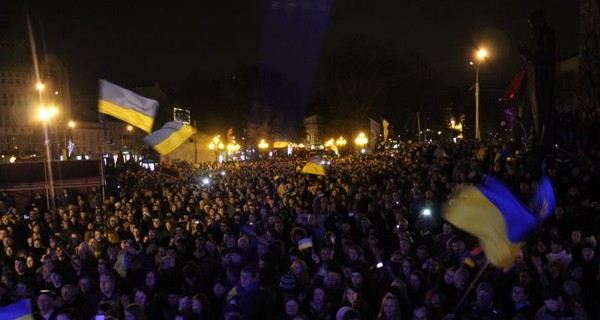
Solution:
(471, 286)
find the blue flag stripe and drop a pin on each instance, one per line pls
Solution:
(519, 222)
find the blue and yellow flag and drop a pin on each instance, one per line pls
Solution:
(126, 105)
(496, 217)
(543, 201)
(314, 166)
(20, 310)
(169, 137)
(305, 243)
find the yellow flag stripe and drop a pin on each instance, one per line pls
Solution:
(472, 212)
(131, 116)
(175, 140)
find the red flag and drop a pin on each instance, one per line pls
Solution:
(517, 84)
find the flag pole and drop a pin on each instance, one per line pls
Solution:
(471, 286)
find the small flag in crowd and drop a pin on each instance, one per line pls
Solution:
(497, 218)
(169, 137)
(543, 201)
(314, 166)
(305, 243)
(20, 310)
(474, 257)
(126, 105)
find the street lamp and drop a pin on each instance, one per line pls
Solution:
(360, 141)
(233, 148)
(481, 55)
(217, 146)
(340, 142)
(263, 145)
(46, 114)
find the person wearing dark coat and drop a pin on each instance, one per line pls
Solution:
(46, 303)
(253, 301)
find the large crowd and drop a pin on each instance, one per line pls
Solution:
(261, 240)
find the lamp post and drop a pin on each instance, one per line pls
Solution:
(232, 149)
(131, 139)
(217, 146)
(360, 141)
(46, 114)
(340, 142)
(481, 54)
(263, 145)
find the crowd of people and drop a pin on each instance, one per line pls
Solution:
(261, 240)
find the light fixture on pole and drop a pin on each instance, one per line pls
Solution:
(481, 54)
(263, 145)
(46, 114)
(217, 146)
(360, 141)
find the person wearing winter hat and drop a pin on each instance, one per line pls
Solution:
(288, 285)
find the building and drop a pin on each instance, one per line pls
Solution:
(21, 131)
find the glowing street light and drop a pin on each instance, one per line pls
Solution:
(46, 114)
(39, 86)
(340, 142)
(263, 145)
(481, 54)
(217, 146)
(232, 148)
(361, 140)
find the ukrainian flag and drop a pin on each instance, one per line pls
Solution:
(314, 166)
(543, 201)
(495, 216)
(17, 311)
(305, 243)
(169, 137)
(126, 105)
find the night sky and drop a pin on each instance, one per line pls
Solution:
(138, 43)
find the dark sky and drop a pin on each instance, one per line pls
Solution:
(139, 42)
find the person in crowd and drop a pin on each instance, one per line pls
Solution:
(559, 305)
(46, 305)
(520, 303)
(134, 311)
(230, 247)
(390, 308)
